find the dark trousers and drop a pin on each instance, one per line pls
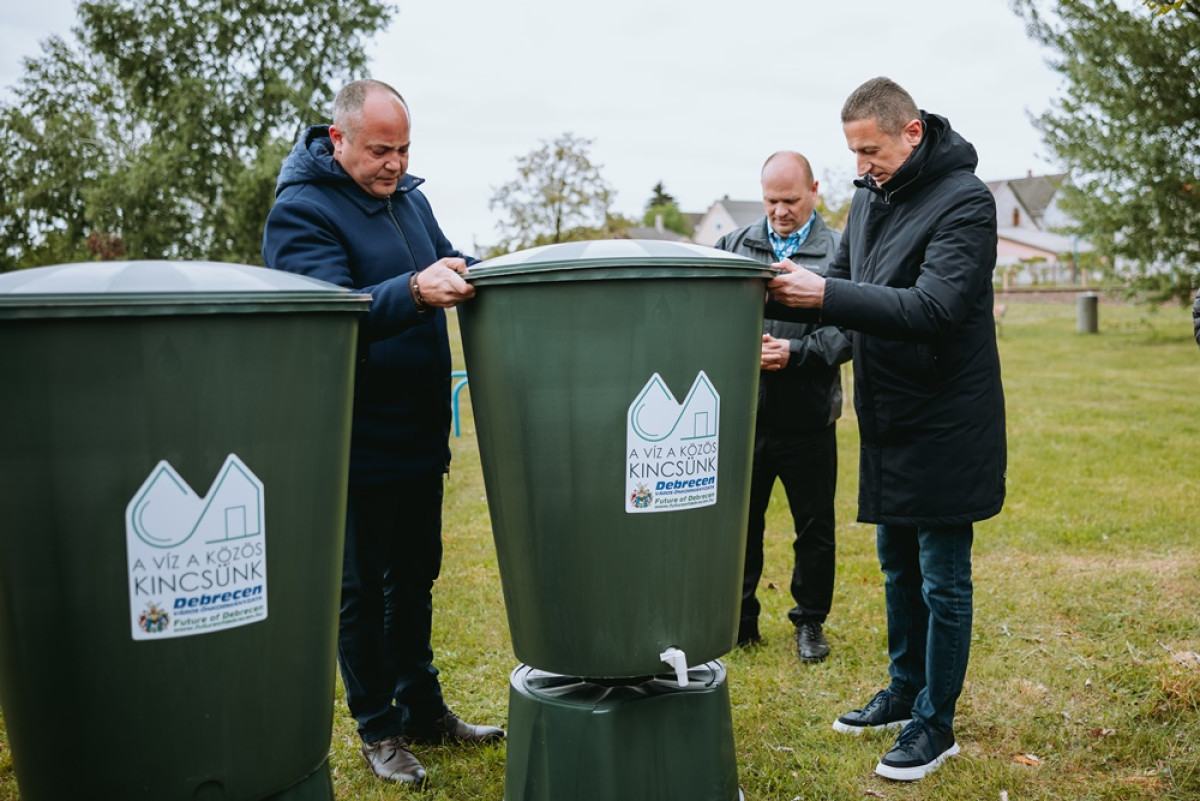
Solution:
(930, 606)
(393, 554)
(807, 466)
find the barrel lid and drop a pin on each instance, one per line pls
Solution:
(165, 287)
(599, 259)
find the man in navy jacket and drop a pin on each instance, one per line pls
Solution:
(347, 212)
(913, 280)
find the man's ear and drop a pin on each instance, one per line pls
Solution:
(335, 135)
(913, 132)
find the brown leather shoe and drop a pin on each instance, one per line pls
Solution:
(449, 729)
(391, 760)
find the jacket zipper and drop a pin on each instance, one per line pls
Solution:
(413, 256)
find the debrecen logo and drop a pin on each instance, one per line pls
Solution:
(202, 558)
(672, 448)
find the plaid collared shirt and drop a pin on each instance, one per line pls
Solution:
(785, 248)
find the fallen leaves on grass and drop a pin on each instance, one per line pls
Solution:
(1187, 658)
(1143, 781)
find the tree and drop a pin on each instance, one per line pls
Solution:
(159, 132)
(1166, 8)
(1128, 129)
(660, 197)
(557, 196)
(833, 202)
(662, 206)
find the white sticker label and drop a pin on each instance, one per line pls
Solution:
(671, 448)
(196, 565)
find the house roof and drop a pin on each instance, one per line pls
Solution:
(640, 232)
(743, 212)
(1033, 191)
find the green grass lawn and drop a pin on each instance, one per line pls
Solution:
(1084, 681)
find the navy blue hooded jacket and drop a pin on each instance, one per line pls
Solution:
(325, 226)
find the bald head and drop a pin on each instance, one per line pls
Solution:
(789, 191)
(352, 101)
(789, 160)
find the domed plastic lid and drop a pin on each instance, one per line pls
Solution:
(117, 288)
(600, 259)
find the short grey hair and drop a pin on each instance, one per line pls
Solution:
(884, 101)
(348, 104)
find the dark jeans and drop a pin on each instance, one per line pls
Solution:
(929, 610)
(393, 555)
(807, 466)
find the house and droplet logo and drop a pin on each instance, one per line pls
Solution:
(672, 448)
(196, 564)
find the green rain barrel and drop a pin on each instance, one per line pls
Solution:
(614, 386)
(172, 499)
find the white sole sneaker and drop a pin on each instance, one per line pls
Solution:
(917, 771)
(846, 728)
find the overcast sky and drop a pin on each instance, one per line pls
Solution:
(695, 93)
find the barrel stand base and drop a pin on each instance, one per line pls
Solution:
(593, 740)
(316, 786)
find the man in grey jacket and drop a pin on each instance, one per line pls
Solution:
(799, 402)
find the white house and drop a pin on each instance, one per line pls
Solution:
(1030, 248)
(723, 216)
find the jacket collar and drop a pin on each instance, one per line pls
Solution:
(814, 244)
(311, 162)
(940, 150)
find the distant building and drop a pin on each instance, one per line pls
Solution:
(723, 216)
(1030, 248)
(659, 231)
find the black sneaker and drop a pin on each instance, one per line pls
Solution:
(918, 751)
(810, 642)
(884, 711)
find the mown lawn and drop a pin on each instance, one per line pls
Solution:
(1084, 680)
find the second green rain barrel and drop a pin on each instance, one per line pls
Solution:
(614, 387)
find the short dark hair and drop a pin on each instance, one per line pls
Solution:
(348, 104)
(884, 101)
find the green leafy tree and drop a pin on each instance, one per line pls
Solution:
(833, 202)
(672, 219)
(557, 196)
(1127, 127)
(1167, 8)
(662, 205)
(159, 131)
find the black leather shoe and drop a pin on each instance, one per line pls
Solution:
(810, 642)
(449, 729)
(748, 634)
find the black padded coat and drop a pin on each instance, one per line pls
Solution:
(913, 280)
